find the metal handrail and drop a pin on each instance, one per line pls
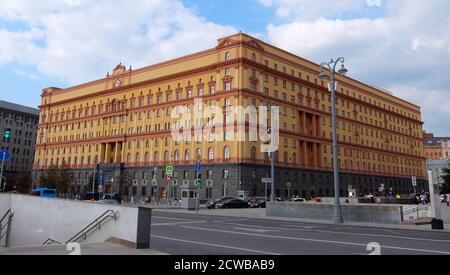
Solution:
(96, 223)
(9, 214)
(51, 242)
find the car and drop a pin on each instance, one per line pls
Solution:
(297, 200)
(108, 201)
(212, 204)
(232, 203)
(257, 203)
(89, 196)
(115, 197)
(44, 193)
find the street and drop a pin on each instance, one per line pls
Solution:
(181, 234)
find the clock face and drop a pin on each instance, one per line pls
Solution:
(117, 84)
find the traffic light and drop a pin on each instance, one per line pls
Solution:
(169, 178)
(7, 133)
(199, 182)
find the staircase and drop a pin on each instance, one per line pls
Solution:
(5, 228)
(95, 225)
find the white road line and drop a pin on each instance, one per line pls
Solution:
(342, 233)
(315, 240)
(177, 223)
(215, 245)
(167, 218)
(240, 220)
(255, 230)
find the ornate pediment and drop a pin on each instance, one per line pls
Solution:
(226, 42)
(255, 44)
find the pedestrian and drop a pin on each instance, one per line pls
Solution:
(423, 199)
(448, 200)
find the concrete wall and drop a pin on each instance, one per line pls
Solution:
(38, 219)
(383, 214)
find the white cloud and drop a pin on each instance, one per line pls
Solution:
(79, 40)
(406, 50)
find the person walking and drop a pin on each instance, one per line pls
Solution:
(448, 200)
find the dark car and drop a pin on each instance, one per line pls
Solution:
(90, 196)
(233, 203)
(115, 197)
(258, 203)
(212, 204)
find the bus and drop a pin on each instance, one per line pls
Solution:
(44, 193)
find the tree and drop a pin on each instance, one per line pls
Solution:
(57, 177)
(445, 188)
(23, 182)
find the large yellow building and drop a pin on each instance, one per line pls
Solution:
(123, 121)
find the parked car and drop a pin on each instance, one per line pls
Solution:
(257, 203)
(232, 203)
(109, 201)
(297, 200)
(90, 196)
(212, 204)
(44, 193)
(115, 197)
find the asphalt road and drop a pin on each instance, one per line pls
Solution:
(185, 234)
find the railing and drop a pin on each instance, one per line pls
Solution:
(8, 218)
(96, 224)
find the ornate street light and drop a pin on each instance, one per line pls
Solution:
(331, 67)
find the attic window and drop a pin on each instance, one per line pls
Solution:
(228, 56)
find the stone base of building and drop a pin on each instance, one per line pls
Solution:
(135, 183)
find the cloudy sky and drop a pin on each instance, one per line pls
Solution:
(400, 45)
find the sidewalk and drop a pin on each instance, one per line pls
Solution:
(261, 214)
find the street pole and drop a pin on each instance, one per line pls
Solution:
(331, 66)
(93, 181)
(1, 173)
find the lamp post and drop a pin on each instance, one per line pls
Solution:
(331, 67)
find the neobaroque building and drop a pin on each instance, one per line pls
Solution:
(436, 148)
(124, 123)
(23, 123)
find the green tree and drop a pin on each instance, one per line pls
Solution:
(445, 188)
(57, 177)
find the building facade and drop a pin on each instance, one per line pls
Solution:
(125, 123)
(436, 148)
(23, 122)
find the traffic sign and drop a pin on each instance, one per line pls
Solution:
(5, 155)
(289, 185)
(198, 167)
(101, 179)
(266, 180)
(414, 181)
(169, 170)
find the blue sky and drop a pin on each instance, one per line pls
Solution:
(64, 42)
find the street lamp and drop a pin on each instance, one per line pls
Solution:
(331, 67)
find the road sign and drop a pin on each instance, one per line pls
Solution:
(414, 181)
(5, 155)
(169, 170)
(101, 179)
(198, 167)
(266, 180)
(289, 185)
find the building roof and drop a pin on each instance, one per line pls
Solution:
(436, 141)
(19, 108)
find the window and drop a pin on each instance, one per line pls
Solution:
(210, 154)
(228, 72)
(228, 86)
(228, 56)
(226, 174)
(226, 153)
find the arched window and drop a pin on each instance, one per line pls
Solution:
(285, 156)
(166, 156)
(253, 56)
(187, 155)
(228, 56)
(147, 157)
(129, 158)
(156, 156)
(138, 157)
(294, 157)
(211, 154)
(253, 153)
(226, 153)
(177, 155)
(198, 152)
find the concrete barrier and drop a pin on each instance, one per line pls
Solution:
(382, 214)
(38, 219)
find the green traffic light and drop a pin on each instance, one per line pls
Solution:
(7, 133)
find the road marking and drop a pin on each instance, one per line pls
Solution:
(255, 230)
(344, 233)
(216, 245)
(240, 220)
(167, 218)
(315, 240)
(177, 223)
